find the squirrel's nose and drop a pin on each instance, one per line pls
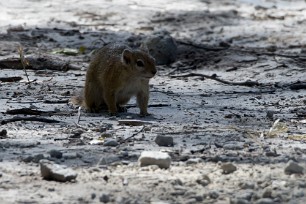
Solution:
(154, 72)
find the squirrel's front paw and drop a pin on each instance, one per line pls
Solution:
(144, 114)
(122, 109)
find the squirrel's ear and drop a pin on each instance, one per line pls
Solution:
(127, 56)
(144, 47)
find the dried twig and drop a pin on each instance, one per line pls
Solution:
(23, 61)
(214, 77)
(133, 135)
(56, 101)
(79, 115)
(44, 120)
(29, 111)
(25, 111)
(10, 79)
(150, 105)
(133, 122)
(204, 47)
(257, 52)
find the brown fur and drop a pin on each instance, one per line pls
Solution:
(116, 74)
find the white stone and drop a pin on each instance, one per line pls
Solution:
(161, 159)
(52, 171)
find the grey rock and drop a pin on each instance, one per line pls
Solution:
(247, 185)
(162, 47)
(191, 201)
(214, 194)
(267, 193)
(104, 198)
(51, 171)
(204, 180)
(298, 193)
(302, 184)
(56, 153)
(228, 168)
(265, 201)
(165, 141)
(234, 146)
(161, 159)
(245, 195)
(177, 182)
(36, 158)
(109, 160)
(198, 198)
(110, 142)
(239, 201)
(293, 168)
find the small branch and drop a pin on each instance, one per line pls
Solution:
(56, 101)
(133, 122)
(214, 77)
(10, 79)
(25, 111)
(28, 111)
(275, 54)
(259, 52)
(133, 135)
(298, 86)
(202, 46)
(150, 105)
(79, 115)
(44, 120)
(23, 61)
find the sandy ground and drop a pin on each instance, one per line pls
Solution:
(212, 123)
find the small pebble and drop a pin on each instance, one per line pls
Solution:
(293, 168)
(239, 201)
(165, 141)
(302, 184)
(214, 194)
(267, 193)
(198, 198)
(56, 153)
(35, 159)
(245, 195)
(265, 201)
(228, 168)
(110, 142)
(204, 180)
(247, 185)
(104, 198)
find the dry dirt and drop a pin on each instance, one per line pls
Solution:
(212, 122)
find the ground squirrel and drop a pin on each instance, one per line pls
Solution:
(115, 74)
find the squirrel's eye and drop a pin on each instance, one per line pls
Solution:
(140, 63)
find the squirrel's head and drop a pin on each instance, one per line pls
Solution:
(140, 62)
